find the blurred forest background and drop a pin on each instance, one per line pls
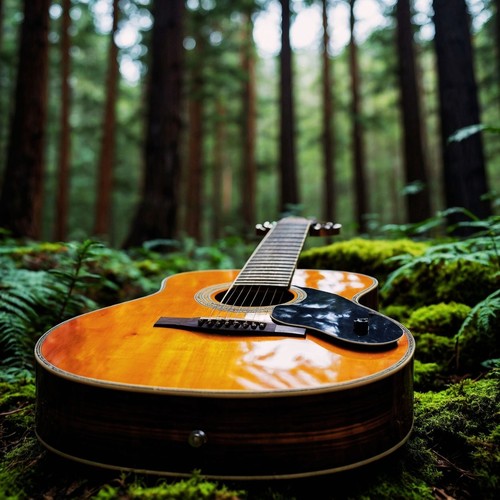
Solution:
(134, 120)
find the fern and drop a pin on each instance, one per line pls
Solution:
(74, 277)
(484, 316)
(33, 301)
(480, 249)
(22, 294)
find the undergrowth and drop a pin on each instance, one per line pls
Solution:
(445, 291)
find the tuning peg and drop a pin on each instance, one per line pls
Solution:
(324, 229)
(264, 228)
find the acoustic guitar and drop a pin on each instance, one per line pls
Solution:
(269, 372)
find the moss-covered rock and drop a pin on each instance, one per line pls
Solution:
(431, 348)
(194, 488)
(465, 272)
(428, 376)
(442, 319)
(372, 257)
(461, 427)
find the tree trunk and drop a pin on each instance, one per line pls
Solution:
(288, 169)
(61, 217)
(329, 212)
(249, 167)
(418, 201)
(464, 171)
(220, 165)
(194, 184)
(157, 212)
(497, 40)
(21, 197)
(107, 157)
(360, 199)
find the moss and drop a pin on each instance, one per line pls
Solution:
(439, 281)
(441, 319)
(13, 394)
(460, 425)
(478, 338)
(372, 257)
(194, 488)
(399, 313)
(432, 348)
(428, 376)
(17, 472)
(405, 486)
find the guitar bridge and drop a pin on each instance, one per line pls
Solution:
(231, 326)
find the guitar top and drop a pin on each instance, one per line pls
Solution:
(267, 372)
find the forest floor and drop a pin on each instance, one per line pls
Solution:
(453, 451)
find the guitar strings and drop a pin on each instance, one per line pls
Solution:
(248, 300)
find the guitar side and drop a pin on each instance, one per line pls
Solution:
(115, 391)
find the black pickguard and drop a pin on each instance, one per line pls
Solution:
(339, 318)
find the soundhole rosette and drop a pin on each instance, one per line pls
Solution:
(211, 296)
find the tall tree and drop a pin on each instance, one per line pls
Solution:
(417, 199)
(329, 212)
(1, 23)
(107, 156)
(61, 216)
(195, 157)
(220, 168)
(358, 150)
(21, 197)
(497, 38)
(463, 161)
(249, 123)
(157, 212)
(287, 161)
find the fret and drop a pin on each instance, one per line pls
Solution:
(274, 261)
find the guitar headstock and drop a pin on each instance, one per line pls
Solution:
(324, 229)
(264, 228)
(315, 228)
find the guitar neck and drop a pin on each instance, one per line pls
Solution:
(275, 259)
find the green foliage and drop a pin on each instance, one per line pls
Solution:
(466, 132)
(427, 376)
(477, 338)
(461, 426)
(405, 485)
(454, 448)
(32, 300)
(435, 348)
(442, 319)
(17, 419)
(372, 257)
(464, 271)
(194, 488)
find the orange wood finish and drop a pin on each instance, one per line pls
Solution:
(120, 345)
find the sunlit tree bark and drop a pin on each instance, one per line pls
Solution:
(418, 200)
(287, 161)
(157, 213)
(463, 161)
(107, 156)
(220, 170)
(358, 151)
(61, 217)
(249, 126)
(497, 39)
(195, 157)
(22, 189)
(329, 212)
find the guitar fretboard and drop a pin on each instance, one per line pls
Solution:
(275, 259)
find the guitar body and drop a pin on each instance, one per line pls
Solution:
(114, 390)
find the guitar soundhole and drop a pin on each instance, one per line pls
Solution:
(254, 296)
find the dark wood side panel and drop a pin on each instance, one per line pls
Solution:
(247, 437)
